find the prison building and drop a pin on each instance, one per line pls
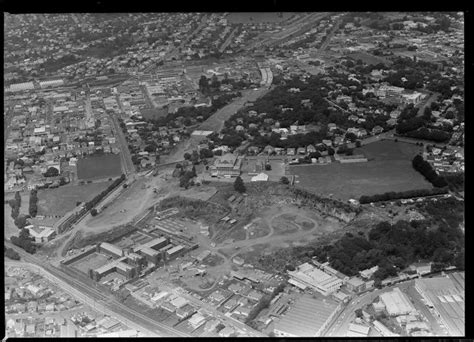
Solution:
(151, 250)
(118, 266)
(107, 248)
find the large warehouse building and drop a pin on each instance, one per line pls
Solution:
(308, 317)
(307, 275)
(397, 303)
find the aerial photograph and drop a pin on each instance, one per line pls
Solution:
(238, 174)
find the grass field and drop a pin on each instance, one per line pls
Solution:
(94, 261)
(63, 199)
(257, 17)
(369, 59)
(389, 170)
(97, 167)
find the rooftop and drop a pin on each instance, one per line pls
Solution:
(306, 317)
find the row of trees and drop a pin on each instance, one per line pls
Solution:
(264, 303)
(99, 197)
(429, 134)
(15, 204)
(425, 168)
(33, 208)
(389, 196)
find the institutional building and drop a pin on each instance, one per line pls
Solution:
(226, 166)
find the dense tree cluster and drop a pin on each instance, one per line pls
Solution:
(425, 168)
(455, 181)
(11, 253)
(425, 133)
(51, 172)
(24, 241)
(389, 196)
(393, 248)
(33, 207)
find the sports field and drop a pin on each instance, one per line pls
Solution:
(97, 167)
(59, 201)
(389, 169)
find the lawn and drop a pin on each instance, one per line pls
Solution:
(368, 58)
(61, 200)
(389, 169)
(97, 167)
(257, 17)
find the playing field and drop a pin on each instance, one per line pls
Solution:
(97, 167)
(59, 201)
(389, 169)
(91, 261)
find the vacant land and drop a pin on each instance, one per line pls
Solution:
(369, 59)
(98, 167)
(283, 227)
(153, 114)
(389, 169)
(61, 200)
(258, 17)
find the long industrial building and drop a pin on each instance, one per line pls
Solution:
(307, 275)
(446, 296)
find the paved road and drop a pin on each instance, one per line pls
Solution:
(94, 297)
(126, 158)
(228, 40)
(326, 42)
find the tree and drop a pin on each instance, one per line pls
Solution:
(239, 185)
(358, 143)
(51, 172)
(186, 156)
(203, 83)
(94, 212)
(284, 180)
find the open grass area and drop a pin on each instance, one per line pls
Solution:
(258, 17)
(94, 261)
(389, 169)
(283, 227)
(369, 58)
(258, 229)
(97, 167)
(59, 201)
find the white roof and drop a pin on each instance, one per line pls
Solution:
(261, 177)
(361, 329)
